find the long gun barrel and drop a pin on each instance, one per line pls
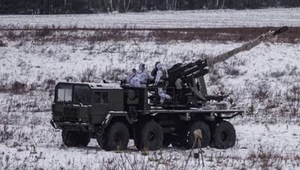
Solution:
(245, 47)
(188, 72)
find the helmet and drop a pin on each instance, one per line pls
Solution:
(142, 66)
(160, 66)
(156, 63)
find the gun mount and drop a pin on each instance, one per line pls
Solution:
(191, 74)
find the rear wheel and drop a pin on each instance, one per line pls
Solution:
(150, 136)
(224, 136)
(205, 134)
(116, 137)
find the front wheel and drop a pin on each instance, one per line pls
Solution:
(69, 138)
(75, 138)
(224, 135)
(116, 137)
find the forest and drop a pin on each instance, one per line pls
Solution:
(98, 6)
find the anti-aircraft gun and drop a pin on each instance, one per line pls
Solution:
(113, 113)
(191, 74)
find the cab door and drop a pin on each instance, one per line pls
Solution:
(100, 106)
(82, 101)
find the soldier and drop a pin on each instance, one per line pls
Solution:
(160, 82)
(142, 77)
(154, 71)
(178, 90)
(130, 77)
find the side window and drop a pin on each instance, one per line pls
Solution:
(81, 94)
(105, 97)
(100, 97)
(97, 97)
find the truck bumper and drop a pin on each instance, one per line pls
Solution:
(85, 127)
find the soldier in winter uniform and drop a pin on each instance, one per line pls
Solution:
(154, 71)
(160, 82)
(131, 76)
(142, 77)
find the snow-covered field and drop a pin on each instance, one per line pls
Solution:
(265, 81)
(167, 19)
(258, 147)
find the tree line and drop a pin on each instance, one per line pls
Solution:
(96, 6)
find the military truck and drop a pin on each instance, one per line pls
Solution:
(115, 113)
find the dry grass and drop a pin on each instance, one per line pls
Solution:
(57, 34)
(2, 44)
(15, 87)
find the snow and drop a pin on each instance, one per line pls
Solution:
(166, 19)
(264, 81)
(258, 146)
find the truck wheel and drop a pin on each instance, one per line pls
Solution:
(69, 138)
(224, 136)
(83, 139)
(116, 137)
(151, 136)
(205, 134)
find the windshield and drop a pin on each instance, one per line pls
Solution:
(64, 93)
(73, 93)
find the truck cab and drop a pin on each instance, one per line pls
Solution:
(84, 103)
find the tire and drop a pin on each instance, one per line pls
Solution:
(224, 135)
(69, 138)
(116, 137)
(151, 136)
(205, 134)
(84, 139)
